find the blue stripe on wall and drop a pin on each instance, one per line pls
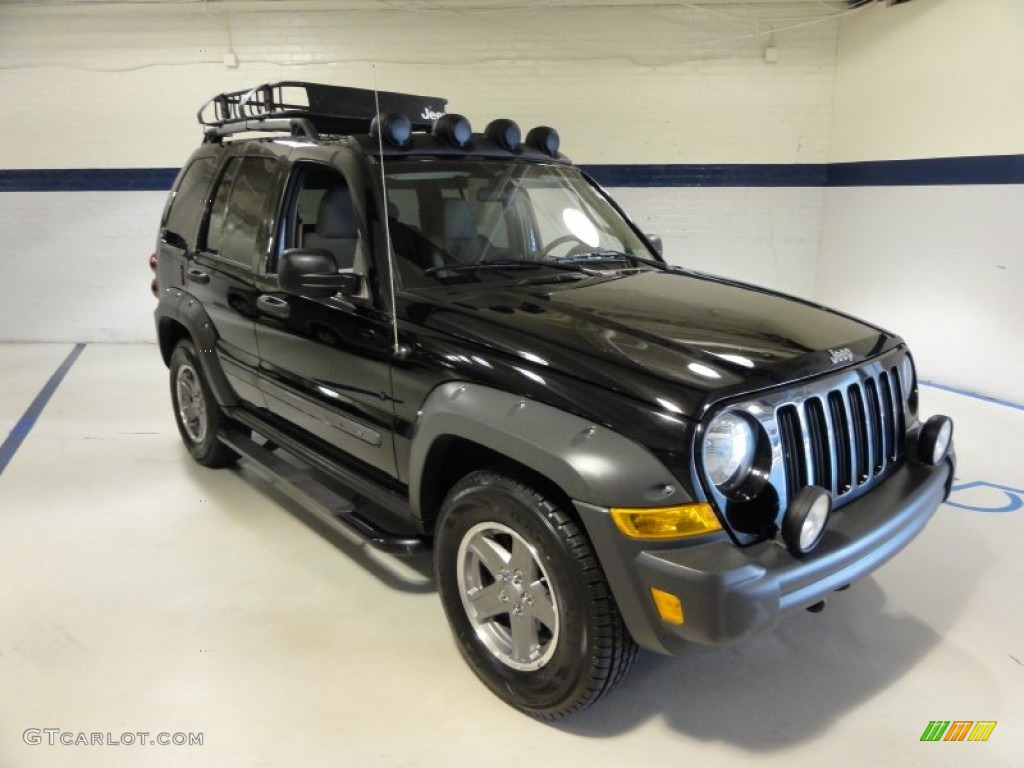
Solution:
(994, 169)
(87, 179)
(762, 175)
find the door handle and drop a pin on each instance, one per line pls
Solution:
(198, 276)
(273, 305)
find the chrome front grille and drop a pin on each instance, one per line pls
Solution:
(845, 431)
(843, 438)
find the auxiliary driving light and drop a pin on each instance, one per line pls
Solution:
(935, 439)
(666, 522)
(505, 133)
(393, 128)
(806, 520)
(545, 139)
(455, 129)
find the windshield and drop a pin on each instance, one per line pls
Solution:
(447, 216)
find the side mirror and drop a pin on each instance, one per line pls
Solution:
(314, 272)
(656, 244)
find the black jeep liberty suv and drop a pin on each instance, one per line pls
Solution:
(454, 341)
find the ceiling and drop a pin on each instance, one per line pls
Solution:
(823, 5)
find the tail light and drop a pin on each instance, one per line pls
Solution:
(153, 286)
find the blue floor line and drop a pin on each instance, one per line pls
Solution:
(28, 420)
(974, 395)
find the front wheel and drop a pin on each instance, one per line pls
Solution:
(526, 598)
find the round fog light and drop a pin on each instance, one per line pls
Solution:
(806, 520)
(935, 439)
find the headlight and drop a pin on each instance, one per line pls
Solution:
(907, 373)
(729, 449)
(908, 378)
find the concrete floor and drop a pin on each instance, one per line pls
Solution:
(140, 592)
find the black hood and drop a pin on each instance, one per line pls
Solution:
(708, 338)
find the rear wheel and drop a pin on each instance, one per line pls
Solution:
(196, 412)
(527, 601)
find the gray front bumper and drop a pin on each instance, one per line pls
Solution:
(730, 593)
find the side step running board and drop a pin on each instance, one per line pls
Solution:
(336, 511)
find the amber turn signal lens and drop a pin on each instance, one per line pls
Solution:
(669, 606)
(666, 522)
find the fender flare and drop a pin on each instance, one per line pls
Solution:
(188, 312)
(589, 462)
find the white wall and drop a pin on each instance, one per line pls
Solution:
(930, 78)
(765, 236)
(637, 84)
(118, 86)
(940, 265)
(944, 266)
(75, 265)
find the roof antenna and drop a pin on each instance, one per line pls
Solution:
(398, 350)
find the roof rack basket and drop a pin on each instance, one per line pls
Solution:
(309, 109)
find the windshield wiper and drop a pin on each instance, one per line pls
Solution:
(512, 264)
(599, 257)
(609, 255)
(562, 278)
(592, 256)
(485, 264)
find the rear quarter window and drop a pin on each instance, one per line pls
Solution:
(189, 199)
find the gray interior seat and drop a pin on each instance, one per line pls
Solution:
(336, 229)
(462, 242)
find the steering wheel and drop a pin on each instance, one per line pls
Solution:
(561, 241)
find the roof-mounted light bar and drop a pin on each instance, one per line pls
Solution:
(455, 130)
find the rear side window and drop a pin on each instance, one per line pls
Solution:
(241, 207)
(186, 205)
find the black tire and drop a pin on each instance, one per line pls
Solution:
(552, 647)
(201, 418)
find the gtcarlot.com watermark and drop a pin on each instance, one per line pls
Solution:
(56, 737)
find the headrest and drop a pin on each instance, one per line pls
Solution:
(336, 218)
(458, 220)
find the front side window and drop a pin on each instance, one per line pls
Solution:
(241, 210)
(320, 214)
